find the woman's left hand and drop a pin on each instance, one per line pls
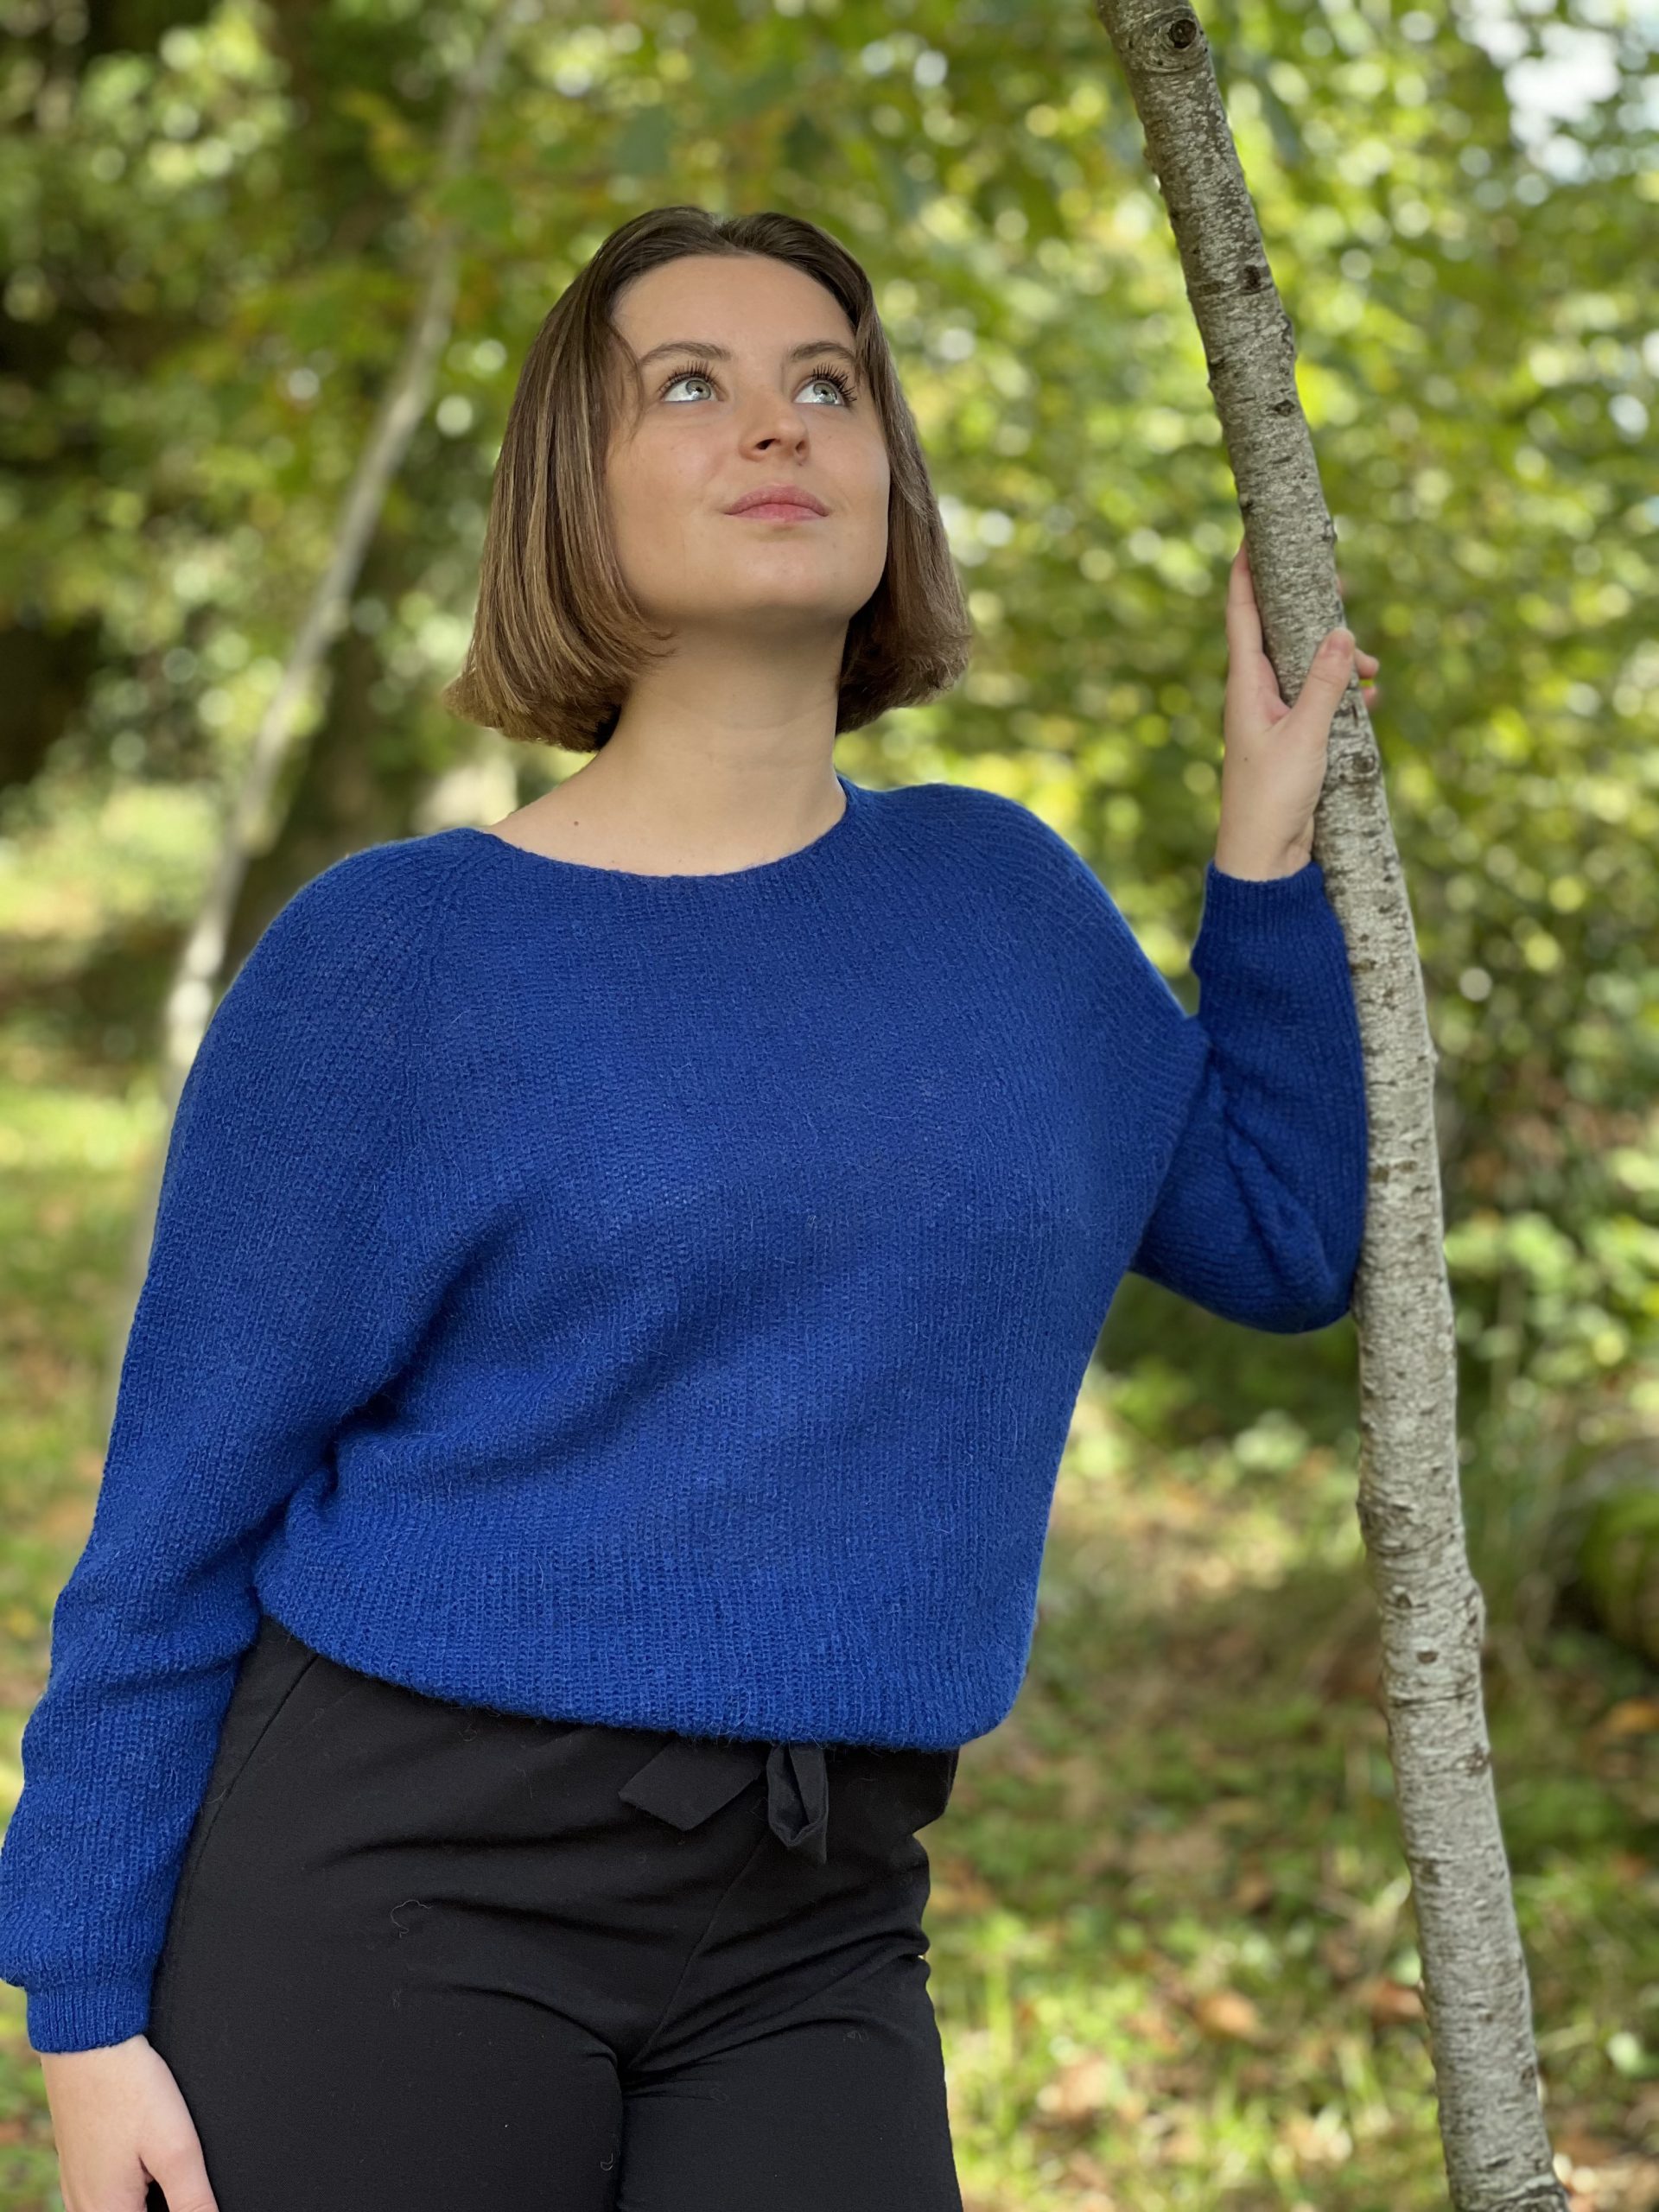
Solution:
(1273, 756)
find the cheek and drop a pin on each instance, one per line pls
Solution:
(652, 496)
(673, 488)
(878, 479)
(658, 468)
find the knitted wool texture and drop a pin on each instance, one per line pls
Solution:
(658, 1300)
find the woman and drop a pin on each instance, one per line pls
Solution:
(619, 1294)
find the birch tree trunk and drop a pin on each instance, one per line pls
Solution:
(1477, 1995)
(191, 994)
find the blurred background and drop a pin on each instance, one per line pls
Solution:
(1172, 1951)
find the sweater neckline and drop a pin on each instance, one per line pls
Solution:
(818, 851)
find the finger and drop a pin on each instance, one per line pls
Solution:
(183, 2174)
(1243, 618)
(1327, 678)
(183, 2180)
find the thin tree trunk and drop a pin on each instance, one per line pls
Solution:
(191, 994)
(1476, 1991)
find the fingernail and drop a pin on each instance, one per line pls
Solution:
(1340, 641)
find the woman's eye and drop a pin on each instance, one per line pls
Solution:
(703, 375)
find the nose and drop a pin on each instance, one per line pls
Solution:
(773, 420)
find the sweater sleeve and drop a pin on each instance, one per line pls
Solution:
(1260, 1214)
(277, 1298)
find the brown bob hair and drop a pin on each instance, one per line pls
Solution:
(557, 637)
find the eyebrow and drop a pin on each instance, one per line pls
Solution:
(723, 353)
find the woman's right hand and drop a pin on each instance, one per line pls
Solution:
(120, 2122)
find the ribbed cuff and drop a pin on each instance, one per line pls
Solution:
(1271, 956)
(87, 2015)
(1270, 898)
(1246, 915)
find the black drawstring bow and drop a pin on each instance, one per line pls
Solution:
(691, 1778)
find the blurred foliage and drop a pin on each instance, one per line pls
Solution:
(212, 216)
(1620, 1567)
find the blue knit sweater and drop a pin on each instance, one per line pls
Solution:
(658, 1300)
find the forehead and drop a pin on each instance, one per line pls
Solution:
(735, 299)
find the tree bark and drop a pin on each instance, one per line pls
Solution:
(1477, 1995)
(191, 994)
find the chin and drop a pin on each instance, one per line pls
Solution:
(810, 604)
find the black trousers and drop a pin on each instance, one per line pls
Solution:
(427, 1957)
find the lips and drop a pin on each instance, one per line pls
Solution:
(778, 501)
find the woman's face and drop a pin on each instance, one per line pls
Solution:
(764, 413)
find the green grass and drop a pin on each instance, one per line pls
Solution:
(1175, 1950)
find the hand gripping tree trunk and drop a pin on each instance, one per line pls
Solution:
(1476, 1991)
